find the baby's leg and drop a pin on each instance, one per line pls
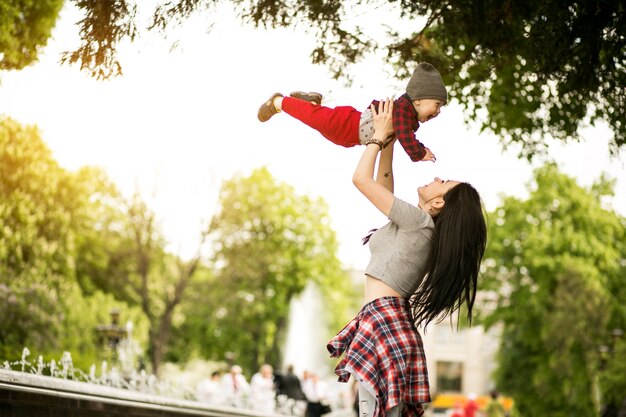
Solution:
(340, 125)
(366, 129)
(366, 126)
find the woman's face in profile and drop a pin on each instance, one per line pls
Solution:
(436, 188)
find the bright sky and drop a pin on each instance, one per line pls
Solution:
(182, 119)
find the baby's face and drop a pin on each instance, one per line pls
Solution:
(427, 108)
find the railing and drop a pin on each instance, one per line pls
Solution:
(30, 395)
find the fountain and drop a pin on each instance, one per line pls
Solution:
(56, 388)
(305, 346)
(35, 388)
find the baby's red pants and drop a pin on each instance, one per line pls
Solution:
(340, 125)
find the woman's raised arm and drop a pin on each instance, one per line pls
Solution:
(380, 190)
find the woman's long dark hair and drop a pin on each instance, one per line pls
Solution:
(458, 247)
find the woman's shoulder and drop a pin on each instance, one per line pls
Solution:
(407, 215)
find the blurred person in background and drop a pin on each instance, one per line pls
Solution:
(494, 407)
(471, 406)
(291, 387)
(235, 387)
(262, 390)
(315, 392)
(209, 389)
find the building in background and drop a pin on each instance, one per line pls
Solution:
(460, 362)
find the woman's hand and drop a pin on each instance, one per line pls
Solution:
(383, 119)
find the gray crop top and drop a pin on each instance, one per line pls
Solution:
(400, 248)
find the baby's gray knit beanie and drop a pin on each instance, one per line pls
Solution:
(426, 82)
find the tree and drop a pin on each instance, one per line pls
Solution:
(49, 220)
(269, 242)
(137, 269)
(37, 204)
(555, 263)
(25, 27)
(525, 70)
(613, 377)
(69, 239)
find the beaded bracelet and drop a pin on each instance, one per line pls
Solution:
(376, 141)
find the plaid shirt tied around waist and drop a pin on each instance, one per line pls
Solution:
(405, 124)
(385, 352)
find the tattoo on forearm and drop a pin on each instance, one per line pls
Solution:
(387, 174)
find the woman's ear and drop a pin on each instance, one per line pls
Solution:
(435, 205)
(438, 203)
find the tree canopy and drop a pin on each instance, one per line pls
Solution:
(525, 70)
(555, 268)
(25, 27)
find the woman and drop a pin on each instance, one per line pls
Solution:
(424, 264)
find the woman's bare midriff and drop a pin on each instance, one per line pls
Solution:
(375, 288)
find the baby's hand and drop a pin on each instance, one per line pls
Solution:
(429, 156)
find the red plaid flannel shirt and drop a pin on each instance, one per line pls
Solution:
(384, 351)
(405, 124)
